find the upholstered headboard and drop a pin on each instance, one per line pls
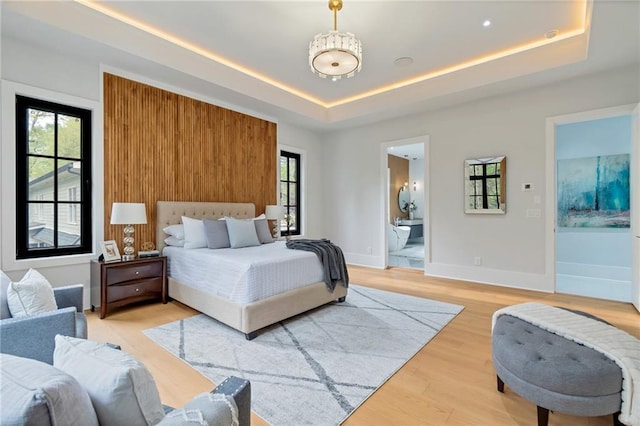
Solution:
(171, 212)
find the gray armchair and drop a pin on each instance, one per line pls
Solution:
(34, 337)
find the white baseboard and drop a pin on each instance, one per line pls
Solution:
(599, 288)
(513, 279)
(364, 260)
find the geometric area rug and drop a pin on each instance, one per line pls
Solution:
(318, 367)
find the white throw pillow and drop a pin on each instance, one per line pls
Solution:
(194, 233)
(121, 389)
(242, 233)
(175, 231)
(174, 241)
(31, 295)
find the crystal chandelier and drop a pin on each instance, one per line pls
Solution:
(335, 54)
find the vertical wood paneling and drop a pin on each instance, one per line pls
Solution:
(162, 146)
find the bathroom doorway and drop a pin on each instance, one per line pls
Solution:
(406, 218)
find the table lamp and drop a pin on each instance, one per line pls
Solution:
(128, 214)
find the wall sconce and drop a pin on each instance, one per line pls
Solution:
(128, 214)
(275, 214)
(415, 186)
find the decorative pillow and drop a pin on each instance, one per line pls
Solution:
(212, 409)
(194, 234)
(262, 216)
(31, 295)
(174, 241)
(217, 234)
(175, 231)
(35, 393)
(121, 389)
(263, 231)
(242, 233)
(4, 286)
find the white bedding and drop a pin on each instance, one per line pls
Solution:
(246, 274)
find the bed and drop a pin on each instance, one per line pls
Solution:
(247, 316)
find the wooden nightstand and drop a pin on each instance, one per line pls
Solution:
(122, 283)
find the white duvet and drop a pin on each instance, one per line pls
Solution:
(246, 274)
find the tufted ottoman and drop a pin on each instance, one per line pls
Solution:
(554, 373)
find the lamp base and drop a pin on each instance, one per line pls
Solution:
(129, 257)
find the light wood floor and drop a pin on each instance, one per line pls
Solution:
(451, 381)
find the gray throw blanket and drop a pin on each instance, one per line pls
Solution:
(335, 268)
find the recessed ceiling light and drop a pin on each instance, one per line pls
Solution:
(551, 34)
(486, 23)
(403, 62)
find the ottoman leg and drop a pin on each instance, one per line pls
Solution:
(543, 416)
(500, 384)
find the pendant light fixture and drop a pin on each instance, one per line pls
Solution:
(335, 54)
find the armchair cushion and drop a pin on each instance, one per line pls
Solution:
(4, 306)
(35, 393)
(112, 378)
(31, 295)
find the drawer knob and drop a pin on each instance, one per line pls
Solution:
(137, 272)
(137, 289)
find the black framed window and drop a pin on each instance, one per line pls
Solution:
(53, 179)
(290, 193)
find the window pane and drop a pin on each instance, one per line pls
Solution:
(40, 225)
(293, 220)
(40, 134)
(471, 170)
(40, 178)
(68, 233)
(491, 168)
(284, 194)
(478, 187)
(292, 193)
(293, 170)
(283, 168)
(493, 202)
(68, 177)
(68, 136)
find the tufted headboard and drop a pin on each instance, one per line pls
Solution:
(171, 212)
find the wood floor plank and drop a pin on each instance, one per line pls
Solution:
(450, 381)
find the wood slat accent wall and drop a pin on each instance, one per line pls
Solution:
(160, 145)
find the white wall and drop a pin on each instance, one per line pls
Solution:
(308, 144)
(512, 246)
(44, 74)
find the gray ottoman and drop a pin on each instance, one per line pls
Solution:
(554, 373)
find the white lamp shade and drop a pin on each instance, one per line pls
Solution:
(128, 214)
(274, 212)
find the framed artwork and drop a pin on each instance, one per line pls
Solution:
(110, 251)
(594, 192)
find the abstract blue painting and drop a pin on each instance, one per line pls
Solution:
(594, 192)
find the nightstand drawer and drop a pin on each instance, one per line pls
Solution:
(146, 288)
(134, 272)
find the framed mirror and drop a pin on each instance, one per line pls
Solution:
(404, 199)
(485, 181)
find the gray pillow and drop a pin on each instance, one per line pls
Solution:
(263, 231)
(242, 233)
(217, 234)
(35, 393)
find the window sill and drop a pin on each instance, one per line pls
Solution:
(46, 262)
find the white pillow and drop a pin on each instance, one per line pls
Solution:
(242, 233)
(194, 233)
(121, 389)
(175, 231)
(262, 216)
(174, 241)
(31, 295)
